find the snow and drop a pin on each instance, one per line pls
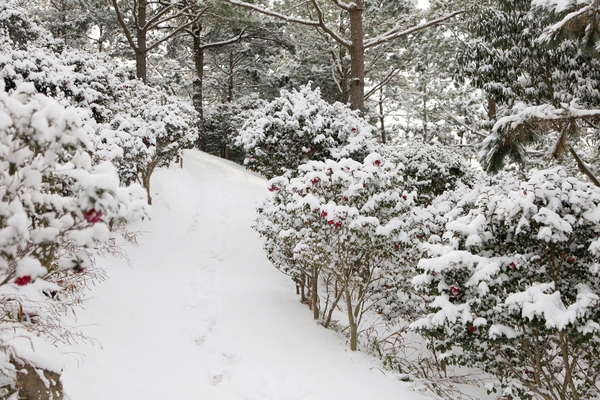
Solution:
(200, 313)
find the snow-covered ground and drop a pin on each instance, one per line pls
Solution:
(202, 314)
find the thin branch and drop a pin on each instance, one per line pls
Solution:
(316, 24)
(123, 25)
(395, 33)
(169, 36)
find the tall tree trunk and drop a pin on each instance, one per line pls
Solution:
(491, 111)
(140, 52)
(357, 57)
(197, 96)
(230, 78)
(382, 117)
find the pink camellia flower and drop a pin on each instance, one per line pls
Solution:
(454, 291)
(23, 280)
(92, 216)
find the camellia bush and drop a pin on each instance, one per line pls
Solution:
(149, 130)
(55, 204)
(345, 230)
(514, 283)
(334, 221)
(300, 126)
(137, 127)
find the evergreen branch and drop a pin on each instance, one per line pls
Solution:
(123, 25)
(396, 33)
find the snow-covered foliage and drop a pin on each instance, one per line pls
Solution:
(148, 130)
(534, 82)
(513, 275)
(347, 226)
(54, 204)
(137, 127)
(222, 123)
(300, 126)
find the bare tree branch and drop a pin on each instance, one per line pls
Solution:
(123, 25)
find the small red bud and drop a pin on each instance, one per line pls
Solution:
(23, 280)
(454, 291)
(471, 329)
(512, 266)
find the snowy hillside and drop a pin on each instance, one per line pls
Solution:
(202, 314)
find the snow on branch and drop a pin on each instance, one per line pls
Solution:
(396, 32)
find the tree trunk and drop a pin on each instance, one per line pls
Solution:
(315, 295)
(357, 57)
(140, 52)
(230, 78)
(351, 320)
(491, 112)
(197, 96)
(381, 117)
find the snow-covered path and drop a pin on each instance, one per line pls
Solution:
(202, 314)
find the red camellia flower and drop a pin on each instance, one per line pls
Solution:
(405, 197)
(524, 192)
(23, 280)
(454, 291)
(512, 266)
(397, 246)
(273, 189)
(323, 214)
(92, 216)
(314, 181)
(308, 151)
(377, 162)
(353, 129)
(331, 222)
(471, 329)
(338, 224)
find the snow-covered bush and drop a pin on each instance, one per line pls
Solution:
(515, 286)
(54, 204)
(139, 128)
(430, 170)
(148, 130)
(222, 123)
(300, 126)
(335, 220)
(349, 225)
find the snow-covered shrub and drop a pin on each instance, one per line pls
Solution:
(148, 130)
(138, 127)
(430, 170)
(300, 126)
(515, 286)
(223, 122)
(54, 204)
(336, 220)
